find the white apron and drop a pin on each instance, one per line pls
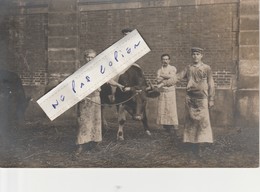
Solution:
(167, 109)
(89, 120)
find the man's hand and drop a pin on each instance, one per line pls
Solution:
(159, 80)
(121, 87)
(159, 85)
(126, 89)
(211, 103)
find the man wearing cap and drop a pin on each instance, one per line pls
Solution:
(125, 32)
(113, 81)
(200, 97)
(109, 88)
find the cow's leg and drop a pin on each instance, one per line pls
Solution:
(145, 123)
(121, 121)
(104, 121)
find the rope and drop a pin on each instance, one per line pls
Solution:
(113, 103)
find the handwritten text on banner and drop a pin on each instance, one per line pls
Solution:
(92, 75)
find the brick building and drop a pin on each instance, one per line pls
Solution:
(43, 42)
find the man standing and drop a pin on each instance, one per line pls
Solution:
(89, 116)
(199, 98)
(167, 109)
(108, 89)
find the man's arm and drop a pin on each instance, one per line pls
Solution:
(211, 90)
(174, 79)
(115, 84)
(159, 79)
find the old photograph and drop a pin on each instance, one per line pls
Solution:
(129, 84)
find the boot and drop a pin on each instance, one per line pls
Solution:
(175, 137)
(168, 128)
(196, 150)
(79, 150)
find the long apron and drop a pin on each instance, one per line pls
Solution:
(197, 124)
(167, 109)
(89, 120)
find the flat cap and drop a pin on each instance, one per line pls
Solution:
(127, 30)
(197, 49)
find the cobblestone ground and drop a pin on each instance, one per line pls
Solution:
(43, 145)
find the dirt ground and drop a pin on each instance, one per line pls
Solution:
(41, 145)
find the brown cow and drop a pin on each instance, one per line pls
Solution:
(134, 79)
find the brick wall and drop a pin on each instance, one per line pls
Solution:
(170, 30)
(36, 78)
(3, 36)
(167, 29)
(46, 40)
(27, 44)
(249, 44)
(62, 39)
(247, 102)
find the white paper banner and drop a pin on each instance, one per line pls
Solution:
(92, 75)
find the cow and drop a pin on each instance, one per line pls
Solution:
(106, 97)
(133, 100)
(13, 101)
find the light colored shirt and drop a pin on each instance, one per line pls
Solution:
(165, 73)
(199, 80)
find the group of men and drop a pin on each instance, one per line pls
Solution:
(199, 98)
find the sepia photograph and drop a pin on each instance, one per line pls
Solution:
(129, 84)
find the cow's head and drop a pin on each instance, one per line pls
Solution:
(139, 101)
(136, 83)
